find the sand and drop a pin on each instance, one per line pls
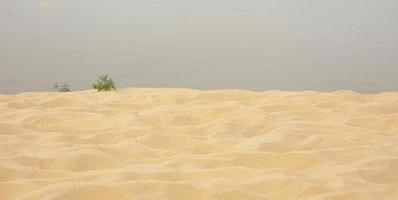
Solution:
(190, 144)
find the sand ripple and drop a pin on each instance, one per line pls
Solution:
(189, 144)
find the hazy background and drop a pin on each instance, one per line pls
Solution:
(207, 44)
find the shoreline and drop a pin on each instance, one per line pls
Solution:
(212, 90)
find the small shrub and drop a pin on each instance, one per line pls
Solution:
(65, 87)
(104, 83)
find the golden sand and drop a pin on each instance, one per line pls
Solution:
(190, 144)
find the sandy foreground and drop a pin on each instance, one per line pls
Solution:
(190, 144)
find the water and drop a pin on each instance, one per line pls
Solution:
(205, 44)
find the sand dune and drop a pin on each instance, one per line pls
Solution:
(190, 144)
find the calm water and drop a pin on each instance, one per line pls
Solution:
(206, 44)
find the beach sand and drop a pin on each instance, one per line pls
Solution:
(191, 144)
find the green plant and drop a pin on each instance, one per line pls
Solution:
(104, 83)
(65, 87)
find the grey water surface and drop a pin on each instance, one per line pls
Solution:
(322, 45)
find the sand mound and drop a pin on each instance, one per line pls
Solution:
(189, 144)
